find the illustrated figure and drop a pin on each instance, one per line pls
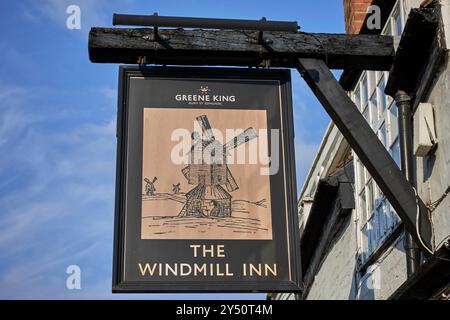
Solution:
(150, 186)
(210, 175)
(176, 188)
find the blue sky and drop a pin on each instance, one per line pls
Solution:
(57, 137)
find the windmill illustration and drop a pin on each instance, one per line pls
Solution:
(150, 186)
(209, 197)
(176, 188)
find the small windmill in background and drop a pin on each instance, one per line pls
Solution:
(150, 186)
(208, 197)
(176, 188)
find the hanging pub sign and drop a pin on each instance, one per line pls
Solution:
(205, 191)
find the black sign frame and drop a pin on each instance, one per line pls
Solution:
(125, 162)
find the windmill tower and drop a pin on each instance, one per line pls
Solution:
(211, 176)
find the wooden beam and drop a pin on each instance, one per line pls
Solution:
(414, 50)
(238, 48)
(369, 149)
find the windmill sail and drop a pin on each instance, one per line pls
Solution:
(185, 172)
(206, 127)
(246, 136)
(231, 184)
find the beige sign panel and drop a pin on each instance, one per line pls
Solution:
(186, 195)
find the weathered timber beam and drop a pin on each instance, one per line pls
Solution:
(414, 49)
(369, 149)
(238, 48)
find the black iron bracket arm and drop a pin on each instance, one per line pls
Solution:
(360, 136)
(156, 36)
(156, 21)
(207, 23)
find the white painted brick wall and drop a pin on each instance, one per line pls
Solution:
(334, 280)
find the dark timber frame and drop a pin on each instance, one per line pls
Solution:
(368, 147)
(312, 55)
(238, 48)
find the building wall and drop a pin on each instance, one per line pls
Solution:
(376, 220)
(389, 272)
(335, 279)
(392, 271)
(355, 13)
(445, 8)
(338, 276)
(433, 171)
(433, 178)
(386, 275)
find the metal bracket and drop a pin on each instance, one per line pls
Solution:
(261, 40)
(265, 64)
(142, 61)
(156, 36)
